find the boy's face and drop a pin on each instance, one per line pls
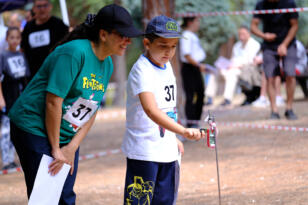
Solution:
(161, 50)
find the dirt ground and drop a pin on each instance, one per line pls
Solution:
(257, 166)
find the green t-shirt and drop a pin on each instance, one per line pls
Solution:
(72, 72)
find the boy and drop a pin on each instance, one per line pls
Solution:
(150, 143)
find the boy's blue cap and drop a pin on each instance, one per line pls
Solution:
(164, 27)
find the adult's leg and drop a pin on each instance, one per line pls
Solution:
(199, 87)
(289, 62)
(7, 147)
(231, 77)
(30, 149)
(271, 69)
(187, 77)
(68, 196)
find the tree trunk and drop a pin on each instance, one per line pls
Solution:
(152, 8)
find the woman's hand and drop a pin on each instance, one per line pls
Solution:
(59, 159)
(69, 154)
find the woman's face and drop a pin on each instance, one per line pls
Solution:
(117, 43)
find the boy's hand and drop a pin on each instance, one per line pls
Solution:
(193, 134)
(180, 146)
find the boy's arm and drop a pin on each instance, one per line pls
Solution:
(149, 105)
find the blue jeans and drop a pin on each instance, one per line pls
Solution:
(30, 149)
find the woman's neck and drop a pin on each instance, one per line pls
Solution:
(100, 51)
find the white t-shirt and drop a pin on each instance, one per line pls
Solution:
(190, 45)
(244, 55)
(144, 139)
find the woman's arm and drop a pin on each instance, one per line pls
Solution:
(52, 123)
(70, 149)
(149, 105)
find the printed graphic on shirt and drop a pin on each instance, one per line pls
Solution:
(17, 66)
(39, 38)
(92, 83)
(140, 191)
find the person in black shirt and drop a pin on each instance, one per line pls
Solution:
(279, 32)
(41, 34)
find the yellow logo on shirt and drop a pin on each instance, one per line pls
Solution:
(92, 83)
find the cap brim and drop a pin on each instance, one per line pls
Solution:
(169, 35)
(130, 32)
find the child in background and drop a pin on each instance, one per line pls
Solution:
(13, 72)
(150, 143)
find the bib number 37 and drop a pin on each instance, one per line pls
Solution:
(81, 112)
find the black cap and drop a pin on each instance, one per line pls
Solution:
(118, 18)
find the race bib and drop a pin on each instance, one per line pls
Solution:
(39, 38)
(81, 112)
(17, 66)
(167, 96)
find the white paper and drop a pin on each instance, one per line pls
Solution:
(222, 63)
(47, 189)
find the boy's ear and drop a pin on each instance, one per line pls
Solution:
(146, 43)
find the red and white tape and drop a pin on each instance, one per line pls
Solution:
(253, 126)
(266, 127)
(81, 158)
(228, 13)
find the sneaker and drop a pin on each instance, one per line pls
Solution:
(261, 102)
(290, 115)
(225, 103)
(10, 166)
(279, 101)
(274, 116)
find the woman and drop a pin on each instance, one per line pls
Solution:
(192, 54)
(58, 107)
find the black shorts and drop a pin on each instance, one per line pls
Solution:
(271, 62)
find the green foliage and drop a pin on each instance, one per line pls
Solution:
(78, 9)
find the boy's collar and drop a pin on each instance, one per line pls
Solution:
(157, 66)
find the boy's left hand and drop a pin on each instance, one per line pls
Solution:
(180, 146)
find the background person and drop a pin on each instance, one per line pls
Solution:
(41, 34)
(279, 32)
(191, 56)
(13, 71)
(243, 53)
(58, 107)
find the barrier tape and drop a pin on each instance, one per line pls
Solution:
(249, 125)
(228, 13)
(81, 158)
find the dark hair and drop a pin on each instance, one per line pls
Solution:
(151, 37)
(243, 26)
(10, 29)
(89, 29)
(186, 20)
